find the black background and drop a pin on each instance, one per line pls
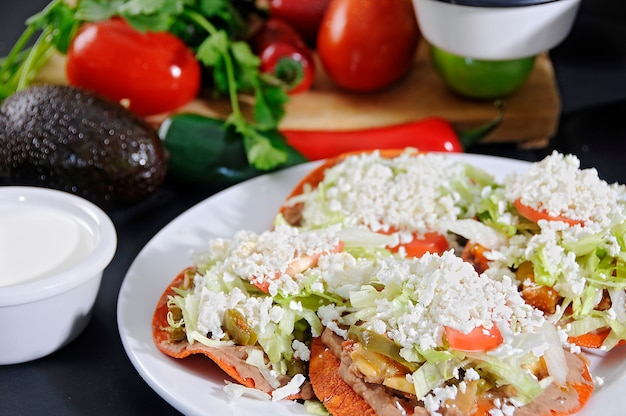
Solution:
(93, 376)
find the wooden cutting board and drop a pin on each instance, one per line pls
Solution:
(531, 115)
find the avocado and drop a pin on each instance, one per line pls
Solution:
(67, 138)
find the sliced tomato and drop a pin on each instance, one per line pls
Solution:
(421, 244)
(478, 339)
(535, 215)
(590, 340)
(593, 339)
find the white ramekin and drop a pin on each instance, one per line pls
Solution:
(42, 314)
(484, 29)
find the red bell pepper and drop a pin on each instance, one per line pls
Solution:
(284, 55)
(429, 134)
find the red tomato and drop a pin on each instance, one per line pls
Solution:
(479, 339)
(367, 45)
(304, 15)
(427, 243)
(280, 48)
(152, 72)
(535, 215)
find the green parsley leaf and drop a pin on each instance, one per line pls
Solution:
(211, 52)
(145, 7)
(214, 8)
(214, 29)
(246, 66)
(58, 24)
(150, 15)
(96, 10)
(262, 154)
(269, 106)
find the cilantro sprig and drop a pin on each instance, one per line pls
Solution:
(237, 69)
(55, 26)
(217, 28)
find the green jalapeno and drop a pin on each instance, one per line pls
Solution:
(210, 151)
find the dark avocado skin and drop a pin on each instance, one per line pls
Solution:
(66, 138)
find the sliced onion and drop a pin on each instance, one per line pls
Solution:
(289, 389)
(234, 391)
(554, 356)
(476, 232)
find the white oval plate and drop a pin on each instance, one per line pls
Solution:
(194, 386)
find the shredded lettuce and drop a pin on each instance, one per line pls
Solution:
(585, 246)
(581, 263)
(479, 176)
(584, 325)
(477, 232)
(596, 267)
(492, 210)
(526, 385)
(315, 407)
(433, 374)
(278, 319)
(438, 365)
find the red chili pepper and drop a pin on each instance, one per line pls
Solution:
(430, 134)
(284, 55)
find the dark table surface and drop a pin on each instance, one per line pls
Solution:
(93, 376)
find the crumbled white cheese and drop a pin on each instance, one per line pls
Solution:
(443, 291)
(329, 316)
(558, 186)
(462, 386)
(411, 192)
(258, 311)
(300, 350)
(434, 400)
(211, 313)
(295, 306)
(471, 375)
(330, 312)
(275, 259)
(282, 261)
(503, 408)
(343, 273)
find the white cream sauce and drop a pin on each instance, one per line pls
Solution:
(38, 242)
